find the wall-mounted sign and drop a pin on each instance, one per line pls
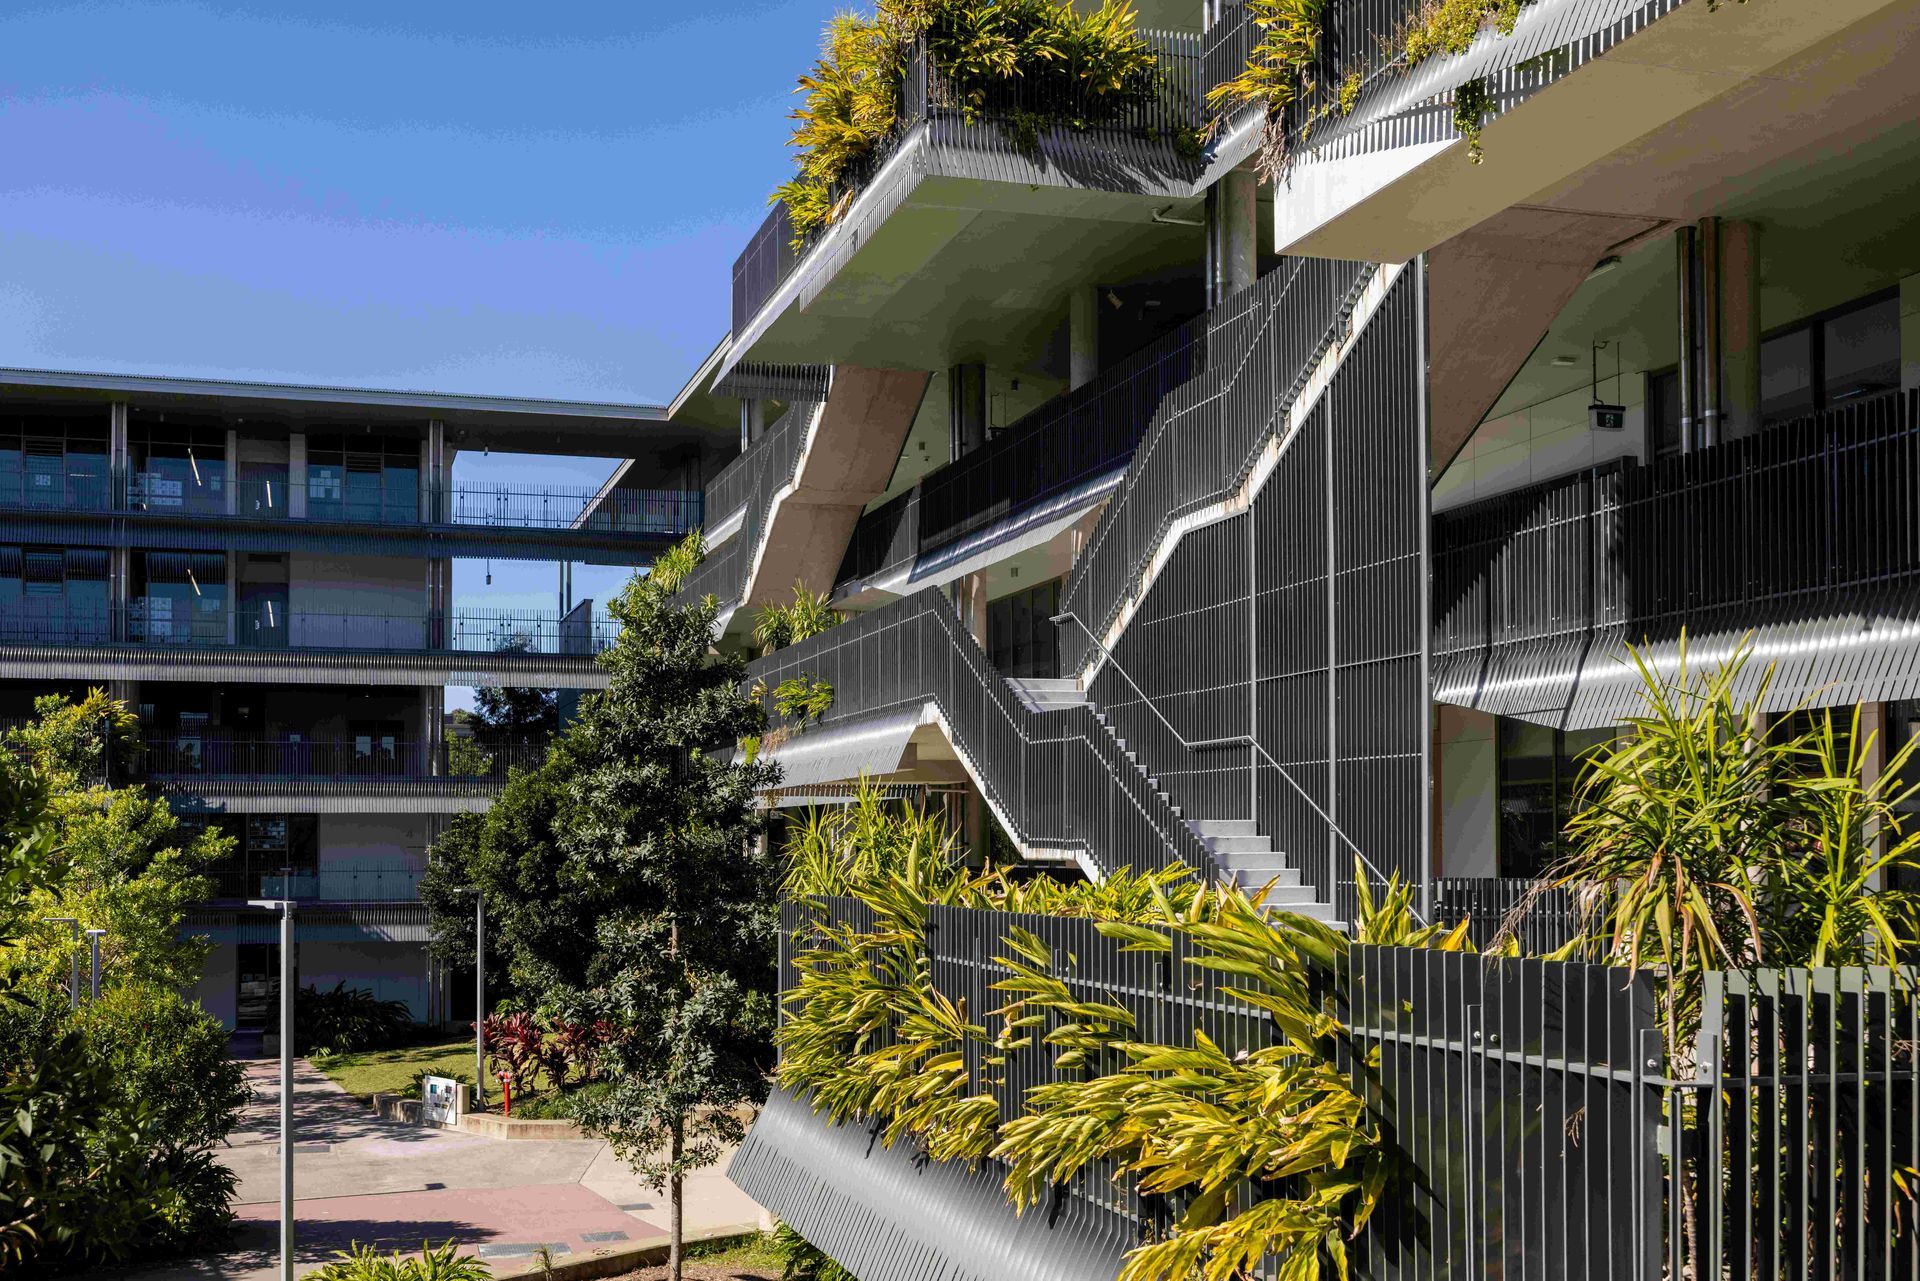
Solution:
(1606, 417)
(440, 1101)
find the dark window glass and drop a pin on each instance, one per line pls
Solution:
(1860, 351)
(1540, 770)
(1021, 636)
(1786, 376)
(1663, 411)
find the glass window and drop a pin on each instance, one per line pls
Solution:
(1663, 411)
(1860, 351)
(1540, 770)
(1786, 376)
(1021, 638)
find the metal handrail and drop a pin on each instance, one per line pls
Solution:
(1232, 740)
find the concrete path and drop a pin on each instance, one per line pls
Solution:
(359, 1178)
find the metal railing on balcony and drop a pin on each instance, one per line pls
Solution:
(1074, 438)
(1810, 523)
(331, 883)
(665, 513)
(1011, 119)
(1256, 352)
(1059, 778)
(749, 482)
(272, 627)
(215, 754)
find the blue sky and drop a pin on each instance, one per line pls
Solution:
(508, 198)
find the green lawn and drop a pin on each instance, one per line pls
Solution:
(373, 1072)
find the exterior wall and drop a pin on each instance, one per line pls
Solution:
(1541, 442)
(391, 971)
(358, 601)
(325, 713)
(1467, 781)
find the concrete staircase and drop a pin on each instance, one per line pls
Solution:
(1245, 857)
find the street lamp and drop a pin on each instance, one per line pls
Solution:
(285, 906)
(479, 996)
(73, 984)
(93, 946)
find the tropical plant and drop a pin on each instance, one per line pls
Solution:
(777, 626)
(803, 698)
(1389, 921)
(516, 1047)
(443, 1263)
(991, 58)
(801, 1260)
(342, 1020)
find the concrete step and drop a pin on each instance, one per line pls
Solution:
(1259, 873)
(1239, 844)
(1225, 827)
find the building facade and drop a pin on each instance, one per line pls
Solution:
(1182, 516)
(265, 575)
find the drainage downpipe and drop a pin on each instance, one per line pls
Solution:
(1686, 255)
(1710, 372)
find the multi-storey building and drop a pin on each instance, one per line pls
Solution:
(1185, 517)
(264, 573)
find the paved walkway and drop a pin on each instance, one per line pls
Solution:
(359, 1178)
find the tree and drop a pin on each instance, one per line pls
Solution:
(126, 865)
(661, 819)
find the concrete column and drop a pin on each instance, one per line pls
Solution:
(1739, 329)
(1238, 208)
(433, 700)
(119, 464)
(297, 476)
(233, 594)
(971, 598)
(233, 470)
(967, 408)
(753, 422)
(1083, 336)
(1873, 733)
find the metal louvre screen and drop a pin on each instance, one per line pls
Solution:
(1188, 650)
(750, 481)
(1058, 778)
(1806, 535)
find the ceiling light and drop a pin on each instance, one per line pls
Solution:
(1564, 362)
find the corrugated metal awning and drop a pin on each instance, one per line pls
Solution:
(845, 753)
(1581, 682)
(889, 1213)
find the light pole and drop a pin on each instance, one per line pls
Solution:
(479, 998)
(285, 906)
(73, 984)
(93, 946)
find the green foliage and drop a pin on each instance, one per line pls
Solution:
(124, 864)
(868, 1037)
(990, 55)
(108, 1121)
(467, 759)
(1702, 843)
(364, 1263)
(801, 1260)
(1472, 104)
(777, 626)
(1388, 921)
(671, 567)
(804, 697)
(344, 1020)
(1277, 70)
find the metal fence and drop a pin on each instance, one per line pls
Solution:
(1058, 778)
(663, 513)
(1551, 921)
(240, 757)
(1074, 438)
(145, 622)
(1533, 1105)
(345, 883)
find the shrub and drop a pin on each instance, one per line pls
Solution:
(343, 1020)
(364, 1263)
(107, 1120)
